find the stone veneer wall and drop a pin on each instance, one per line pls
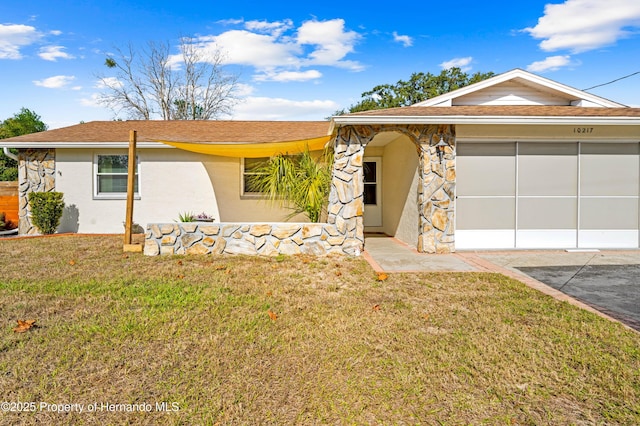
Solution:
(36, 173)
(268, 239)
(436, 186)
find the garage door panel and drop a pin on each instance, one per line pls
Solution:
(486, 169)
(610, 238)
(546, 238)
(547, 213)
(485, 239)
(609, 213)
(547, 169)
(485, 213)
(609, 170)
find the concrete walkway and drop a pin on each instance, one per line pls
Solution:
(604, 282)
(386, 254)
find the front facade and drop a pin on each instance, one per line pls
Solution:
(516, 161)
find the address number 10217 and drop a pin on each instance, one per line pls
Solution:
(583, 129)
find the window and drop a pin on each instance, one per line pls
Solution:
(250, 167)
(370, 182)
(111, 176)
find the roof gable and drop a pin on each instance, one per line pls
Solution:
(518, 87)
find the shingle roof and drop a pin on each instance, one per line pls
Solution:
(182, 131)
(501, 111)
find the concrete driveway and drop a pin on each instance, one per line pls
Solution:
(609, 281)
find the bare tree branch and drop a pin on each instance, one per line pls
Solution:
(155, 84)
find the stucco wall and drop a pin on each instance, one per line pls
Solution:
(400, 190)
(225, 173)
(171, 182)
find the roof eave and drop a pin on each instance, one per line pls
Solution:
(102, 145)
(459, 119)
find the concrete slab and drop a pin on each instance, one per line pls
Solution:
(391, 255)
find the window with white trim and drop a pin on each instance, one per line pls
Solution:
(250, 167)
(110, 171)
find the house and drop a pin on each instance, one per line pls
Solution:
(515, 161)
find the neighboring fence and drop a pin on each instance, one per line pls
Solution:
(9, 201)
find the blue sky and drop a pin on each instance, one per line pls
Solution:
(304, 60)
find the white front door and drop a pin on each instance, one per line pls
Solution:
(372, 191)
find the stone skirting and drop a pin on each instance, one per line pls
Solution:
(36, 173)
(266, 239)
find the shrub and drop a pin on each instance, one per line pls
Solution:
(2, 223)
(46, 210)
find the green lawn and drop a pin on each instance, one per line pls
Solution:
(466, 348)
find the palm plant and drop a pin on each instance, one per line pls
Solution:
(300, 182)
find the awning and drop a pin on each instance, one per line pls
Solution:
(252, 150)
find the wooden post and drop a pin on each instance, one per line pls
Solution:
(131, 177)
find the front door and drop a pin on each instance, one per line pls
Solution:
(372, 191)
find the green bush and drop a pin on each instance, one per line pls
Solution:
(46, 210)
(2, 223)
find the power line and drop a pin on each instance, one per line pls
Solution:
(613, 81)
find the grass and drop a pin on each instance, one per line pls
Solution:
(466, 348)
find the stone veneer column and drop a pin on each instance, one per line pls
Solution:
(346, 199)
(436, 190)
(36, 173)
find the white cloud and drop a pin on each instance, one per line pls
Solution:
(262, 108)
(244, 90)
(279, 51)
(108, 82)
(582, 25)
(332, 42)
(55, 32)
(286, 76)
(462, 63)
(92, 101)
(247, 48)
(404, 39)
(55, 82)
(273, 28)
(552, 63)
(14, 37)
(52, 53)
(230, 21)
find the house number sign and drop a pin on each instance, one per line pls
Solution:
(583, 129)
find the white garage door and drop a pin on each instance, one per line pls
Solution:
(547, 195)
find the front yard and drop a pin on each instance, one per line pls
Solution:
(295, 340)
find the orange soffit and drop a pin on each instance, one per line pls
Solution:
(252, 150)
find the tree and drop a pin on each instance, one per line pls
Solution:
(22, 123)
(152, 83)
(418, 88)
(300, 182)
